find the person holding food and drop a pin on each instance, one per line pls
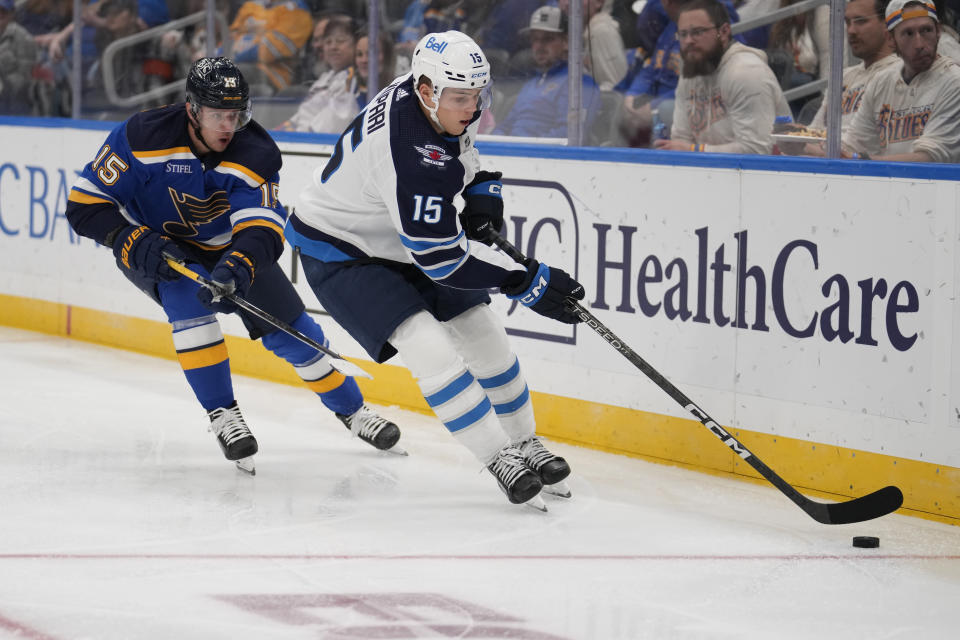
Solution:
(870, 41)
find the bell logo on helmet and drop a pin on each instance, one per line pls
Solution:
(435, 45)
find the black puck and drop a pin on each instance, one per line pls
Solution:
(866, 542)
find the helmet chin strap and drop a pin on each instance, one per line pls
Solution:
(432, 110)
(196, 129)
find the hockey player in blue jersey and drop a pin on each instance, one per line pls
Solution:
(391, 259)
(199, 181)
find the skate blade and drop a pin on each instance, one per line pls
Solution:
(559, 489)
(536, 502)
(246, 465)
(396, 450)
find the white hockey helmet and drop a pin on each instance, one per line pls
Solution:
(450, 60)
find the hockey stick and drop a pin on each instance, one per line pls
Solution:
(873, 505)
(336, 360)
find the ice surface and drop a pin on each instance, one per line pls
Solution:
(119, 518)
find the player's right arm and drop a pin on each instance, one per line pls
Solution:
(105, 185)
(95, 209)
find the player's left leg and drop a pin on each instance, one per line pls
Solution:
(274, 293)
(202, 352)
(482, 342)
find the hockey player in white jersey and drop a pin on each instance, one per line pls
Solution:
(391, 259)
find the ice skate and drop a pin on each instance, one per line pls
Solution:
(234, 437)
(520, 484)
(373, 429)
(551, 469)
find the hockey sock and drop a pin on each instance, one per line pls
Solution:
(451, 391)
(338, 393)
(203, 355)
(482, 341)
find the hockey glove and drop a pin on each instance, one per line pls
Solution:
(546, 291)
(232, 275)
(139, 253)
(483, 212)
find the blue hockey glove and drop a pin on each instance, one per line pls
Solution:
(232, 275)
(483, 212)
(139, 251)
(546, 291)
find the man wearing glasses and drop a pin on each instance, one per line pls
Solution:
(870, 41)
(910, 112)
(727, 98)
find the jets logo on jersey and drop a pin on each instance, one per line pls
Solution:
(194, 212)
(432, 154)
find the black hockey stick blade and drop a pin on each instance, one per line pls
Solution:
(337, 361)
(873, 505)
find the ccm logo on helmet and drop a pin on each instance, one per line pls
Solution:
(436, 45)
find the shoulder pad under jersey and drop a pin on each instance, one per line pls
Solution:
(254, 149)
(155, 129)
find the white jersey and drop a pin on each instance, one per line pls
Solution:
(387, 194)
(896, 117)
(733, 109)
(855, 78)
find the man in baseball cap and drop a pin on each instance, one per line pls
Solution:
(916, 32)
(540, 110)
(910, 112)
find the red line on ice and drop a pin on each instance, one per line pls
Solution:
(22, 630)
(865, 555)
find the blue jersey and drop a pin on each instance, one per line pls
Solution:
(540, 110)
(147, 173)
(388, 194)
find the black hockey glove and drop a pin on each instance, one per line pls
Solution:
(232, 275)
(139, 252)
(484, 206)
(546, 291)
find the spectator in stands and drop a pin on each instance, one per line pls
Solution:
(385, 64)
(267, 38)
(910, 111)
(331, 102)
(44, 19)
(727, 98)
(653, 83)
(799, 49)
(504, 23)
(750, 9)
(119, 19)
(18, 52)
(313, 63)
(152, 13)
(650, 84)
(603, 50)
(541, 106)
(871, 41)
(428, 16)
(651, 20)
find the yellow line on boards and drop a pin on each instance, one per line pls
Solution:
(821, 470)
